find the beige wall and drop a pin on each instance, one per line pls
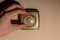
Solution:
(49, 22)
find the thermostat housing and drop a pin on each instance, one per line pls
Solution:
(32, 20)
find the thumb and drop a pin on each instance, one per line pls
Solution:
(14, 12)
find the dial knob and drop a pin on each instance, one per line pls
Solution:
(30, 20)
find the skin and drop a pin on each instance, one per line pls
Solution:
(5, 26)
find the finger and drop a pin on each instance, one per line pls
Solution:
(18, 27)
(21, 26)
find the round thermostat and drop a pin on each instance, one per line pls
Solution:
(30, 20)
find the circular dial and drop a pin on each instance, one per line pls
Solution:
(30, 20)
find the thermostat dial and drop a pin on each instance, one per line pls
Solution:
(30, 20)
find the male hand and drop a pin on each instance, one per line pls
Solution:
(5, 22)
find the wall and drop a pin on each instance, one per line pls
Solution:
(49, 22)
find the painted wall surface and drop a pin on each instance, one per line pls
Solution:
(49, 22)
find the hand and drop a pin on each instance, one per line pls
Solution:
(5, 22)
